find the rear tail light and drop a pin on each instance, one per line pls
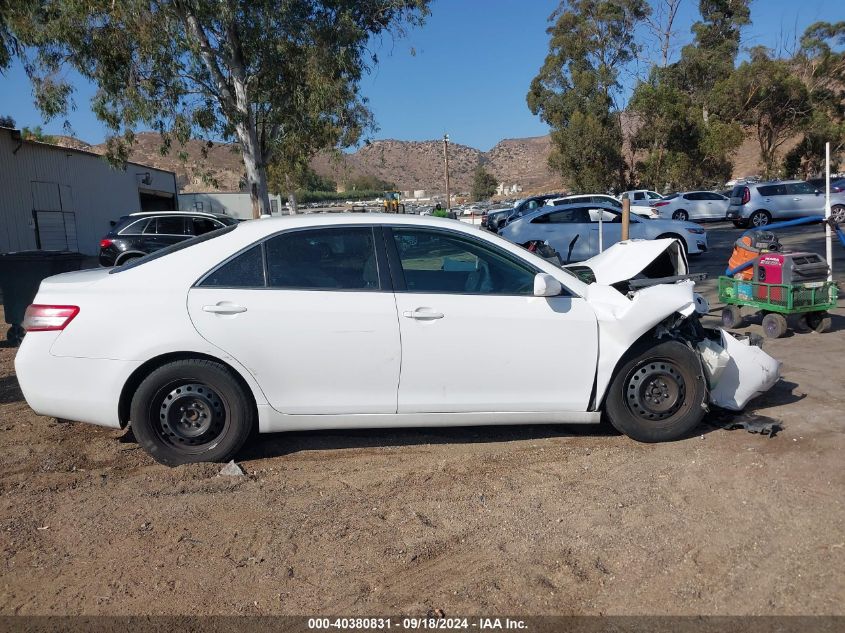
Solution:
(42, 318)
(746, 195)
(105, 243)
(660, 204)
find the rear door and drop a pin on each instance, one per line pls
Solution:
(476, 339)
(163, 231)
(567, 230)
(309, 314)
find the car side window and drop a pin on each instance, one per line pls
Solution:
(693, 196)
(772, 190)
(800, 188)
(243, 271)
(653, 196)
(201, 226)
(440, 262)
(566, 216)
(639, 195)
(136, 228)
(342, 258)
(166, 225)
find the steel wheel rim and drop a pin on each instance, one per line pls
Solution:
(655, 390)
(190, 416)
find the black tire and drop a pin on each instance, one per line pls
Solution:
(759, 218)
(191, 411)
(837, 214)
(675, 236)
(740, 224)
(731, 317)
(818, 322)
(657, 395)
(774, 325)
(680, 214)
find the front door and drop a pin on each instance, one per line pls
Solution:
(307, 314)
(475, 339)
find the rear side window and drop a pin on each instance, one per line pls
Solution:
(243, 271)
(329, 259)
(567, 216)
(134, 228)
(772, 190)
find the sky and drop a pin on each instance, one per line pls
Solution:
(465, 72)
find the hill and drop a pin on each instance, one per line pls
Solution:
(410, 164)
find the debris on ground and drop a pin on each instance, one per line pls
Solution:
(232, 470)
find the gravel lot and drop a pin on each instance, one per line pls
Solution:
(517, 520)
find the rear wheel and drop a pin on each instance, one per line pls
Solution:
(680, 214)
(731, 317)
(658, 394)
(759, 218)
(191, 411)
(818, 321)
(126, 260)
(774, 325)
(837, 214)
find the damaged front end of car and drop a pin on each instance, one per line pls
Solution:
(642, 289)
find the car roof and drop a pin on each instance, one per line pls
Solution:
(206, 214)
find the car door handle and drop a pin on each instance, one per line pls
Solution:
(224, 308)
(422, 314)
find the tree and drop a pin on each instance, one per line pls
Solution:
(36, 134)
(279, 180)
(683, 144)
(7, 121)
(822, 69)
(766, 95)
(279, 78)
(575, 91)
(483, 184)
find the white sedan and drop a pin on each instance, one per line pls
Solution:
(319, 321)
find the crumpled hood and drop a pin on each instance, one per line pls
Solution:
(625, 260)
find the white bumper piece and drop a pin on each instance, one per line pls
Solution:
(738, 372)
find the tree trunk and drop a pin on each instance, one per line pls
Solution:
(256, 179)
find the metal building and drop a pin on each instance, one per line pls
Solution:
(58, 198)
(237, 204)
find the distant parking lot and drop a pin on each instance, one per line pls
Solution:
(532, 520)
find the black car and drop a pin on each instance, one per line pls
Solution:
(518, 210)
(138, 234)
(837, 185)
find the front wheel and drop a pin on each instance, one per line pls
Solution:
(658, 394)
(680, 214)
(191, 411)
(837, 214)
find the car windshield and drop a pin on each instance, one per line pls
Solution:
(174, 248)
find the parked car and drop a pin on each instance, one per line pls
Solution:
(641, 210)
(322, 321)
(837, 185)
(693, 205)
(644, 197)
(573, 230)
(521, 207)
(139, 234)
(760, 203)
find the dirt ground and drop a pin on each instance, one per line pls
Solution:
(517, 520)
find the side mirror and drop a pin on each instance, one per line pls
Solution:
(546, 286)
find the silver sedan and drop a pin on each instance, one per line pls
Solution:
(574, 230)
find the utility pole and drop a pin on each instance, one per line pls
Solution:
(446, 167)
(626, 217)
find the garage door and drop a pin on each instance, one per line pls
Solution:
(55, 220)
